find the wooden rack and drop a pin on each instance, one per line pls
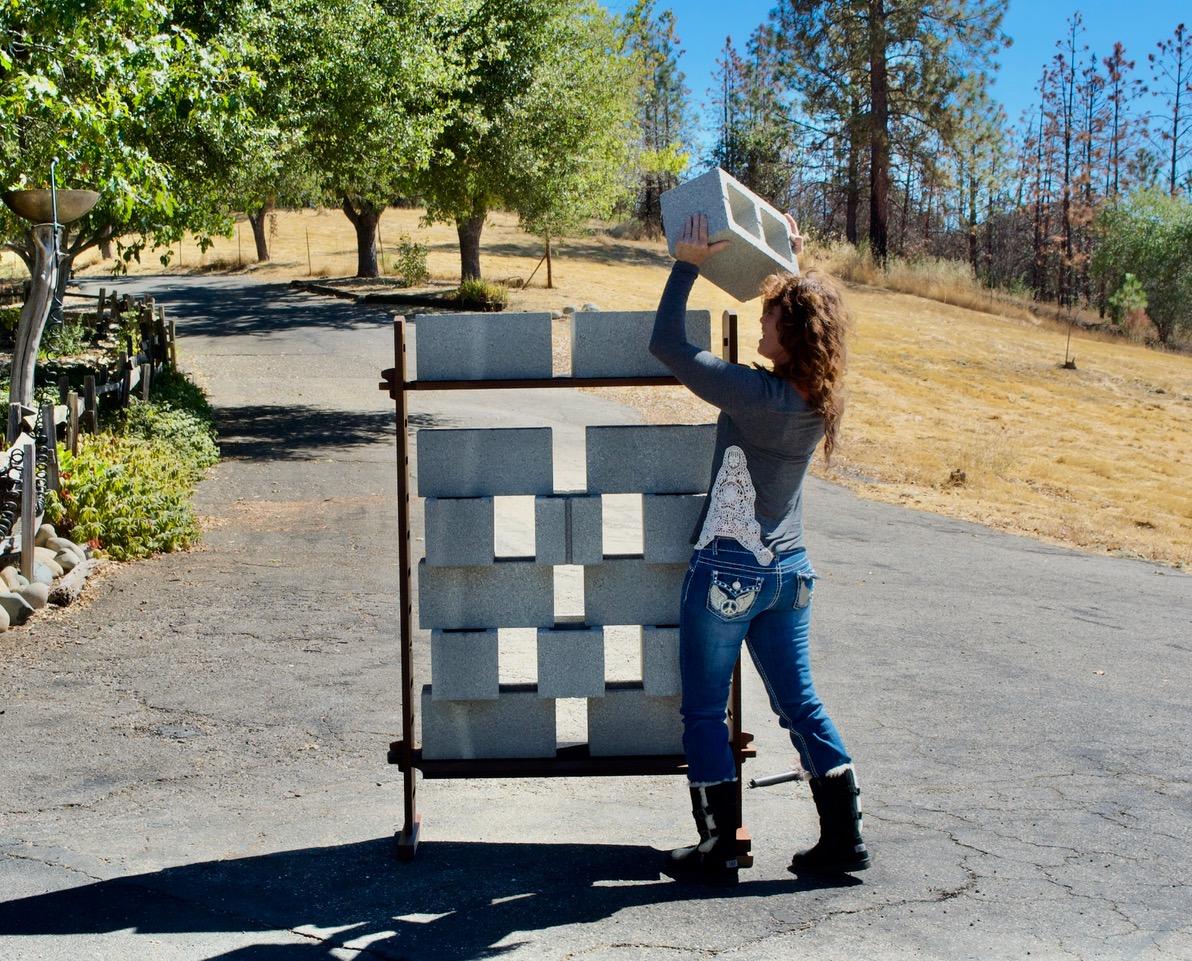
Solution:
(570, 760)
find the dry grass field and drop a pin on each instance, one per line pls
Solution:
(1099, 457)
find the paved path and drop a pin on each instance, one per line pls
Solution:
(193, 763)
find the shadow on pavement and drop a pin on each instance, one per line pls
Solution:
(456, 900)
(298, 432)
(220, 307)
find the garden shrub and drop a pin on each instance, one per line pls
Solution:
(128, 489)
(125, 495)
(64, 340)
(410, 262)
(482, 295)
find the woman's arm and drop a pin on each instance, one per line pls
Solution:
(721, 384)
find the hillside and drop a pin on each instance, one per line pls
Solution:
(1099, 457)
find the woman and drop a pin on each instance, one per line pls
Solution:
(750, 578)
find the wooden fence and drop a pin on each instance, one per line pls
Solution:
(29, 467)
(150, 349)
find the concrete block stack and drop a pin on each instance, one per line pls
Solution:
(757, 234)
(466, 594)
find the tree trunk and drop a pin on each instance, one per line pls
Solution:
(365, 221)
(972, 214)
(105, 244)
(32, 321)
(550, 277)
(469, 230)
(257, 219)
(879, 132)
(852, 197)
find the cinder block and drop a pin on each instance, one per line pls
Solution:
(568, 529)
(586, 518)
(660, 661)
(480, 346)
(617, 343)
(627, 720)
(503, 594)
(463, 665)
(571, 662)
(651, 459)
(759, 241)
(668, 521)
(459, 531)
(630, 591)
(550, 530)
(518, 723)
(483, 462)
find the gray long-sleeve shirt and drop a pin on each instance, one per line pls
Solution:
(760, 413)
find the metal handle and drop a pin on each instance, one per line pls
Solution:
(776, 779)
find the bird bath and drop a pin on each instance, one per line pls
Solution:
(47, 211)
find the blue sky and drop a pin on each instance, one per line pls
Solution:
(1033, 25)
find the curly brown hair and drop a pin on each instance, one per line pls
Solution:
(812, 327)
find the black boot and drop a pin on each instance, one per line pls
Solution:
(840, 848)
(714, 859)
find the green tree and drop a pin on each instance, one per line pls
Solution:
(911, 58)
(132, 105)
(370, 81)
(663, 107)
(571, 152)
(515, 113)
(1149, 234)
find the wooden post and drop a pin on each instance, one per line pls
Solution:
(407, 840)
(63, 388)
(173, 338)
(124, 371)
(50, 439)
(102, 297)
(14, 421)
(28, 506)
(91, 405)
(72, 421)
(161, 337)
(146, 374)
(310, 270)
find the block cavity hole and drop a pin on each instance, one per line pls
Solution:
(743, 210)
(777, 234)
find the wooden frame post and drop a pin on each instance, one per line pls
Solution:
(407, 840)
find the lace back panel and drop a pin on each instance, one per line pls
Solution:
(732, 506)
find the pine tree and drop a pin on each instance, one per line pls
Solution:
(663, 107)
(1171, 69)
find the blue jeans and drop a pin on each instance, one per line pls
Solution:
(728, 597)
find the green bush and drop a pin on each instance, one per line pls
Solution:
(9, 318)
(410, 262)
(1129, 297)
(125, 495)
(482, 295)
(191, 438)
(128, 489)
(64, 340)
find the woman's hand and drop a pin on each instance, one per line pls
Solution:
(796, 237)
(693, 246)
